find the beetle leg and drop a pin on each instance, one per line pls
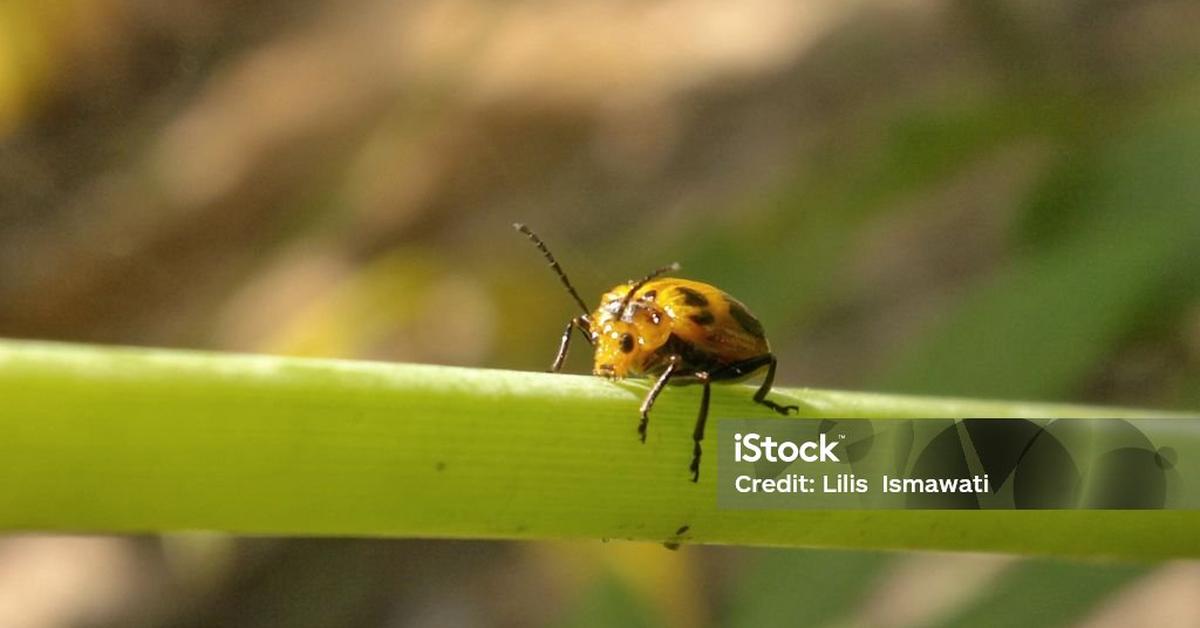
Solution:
(648, 402)
(698, 433)
(579, 322)
(761, 395)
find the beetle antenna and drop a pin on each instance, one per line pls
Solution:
(672, 267)
(533, 237)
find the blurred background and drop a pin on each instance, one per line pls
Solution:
(948, 197)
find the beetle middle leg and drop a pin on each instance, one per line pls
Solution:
(583, 325)
(698, 432)
(657, 388)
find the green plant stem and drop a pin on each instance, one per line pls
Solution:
(102, 439)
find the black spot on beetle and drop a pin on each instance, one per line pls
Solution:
(626, 343)
(746, 319)
(692, 297)
(703, 317)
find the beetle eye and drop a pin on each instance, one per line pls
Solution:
(626, 343)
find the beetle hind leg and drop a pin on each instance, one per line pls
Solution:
(760, 396)
(784, 410)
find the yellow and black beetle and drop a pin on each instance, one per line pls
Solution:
(673, 329)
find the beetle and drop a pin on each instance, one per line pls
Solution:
(675, 330)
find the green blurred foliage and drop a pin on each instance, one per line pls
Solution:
(817, 587)
(1045, 594)
(609, 602)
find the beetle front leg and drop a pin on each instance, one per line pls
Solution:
(584, 325)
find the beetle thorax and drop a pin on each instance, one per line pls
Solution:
(628, 338)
